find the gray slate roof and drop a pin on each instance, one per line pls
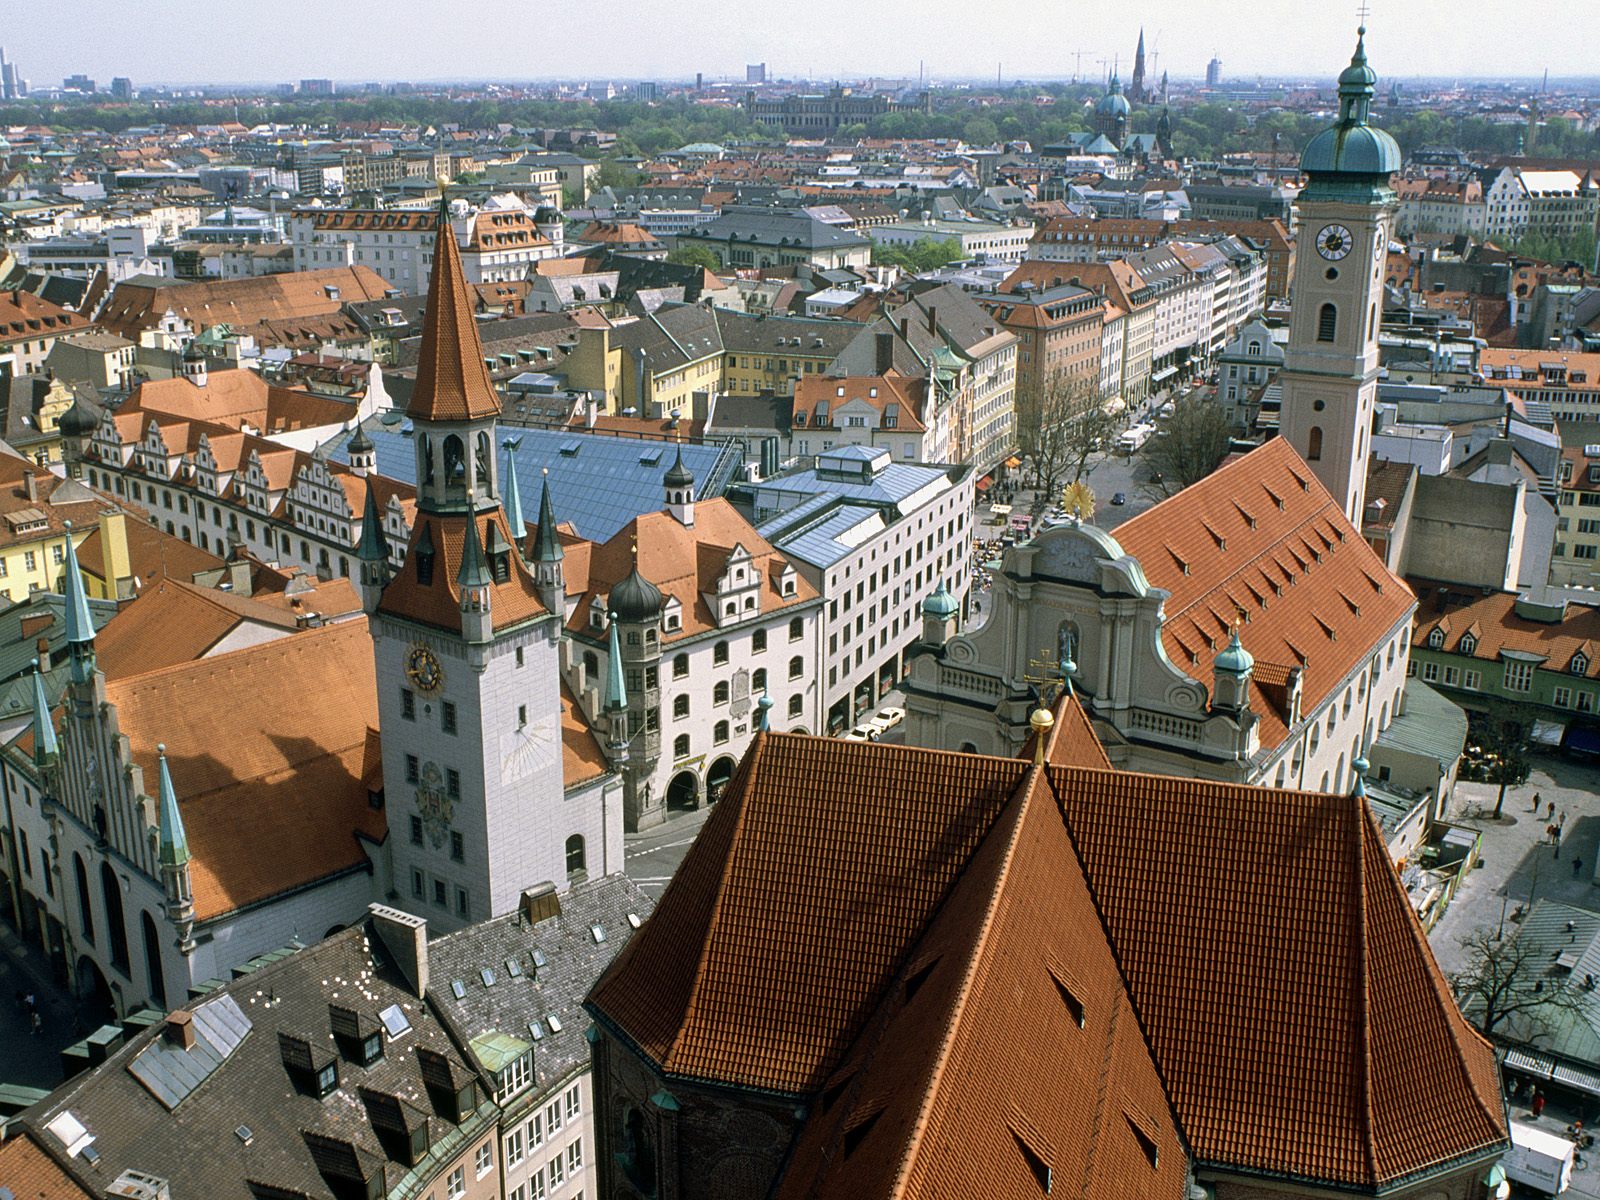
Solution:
(571, 961)
(785, 228)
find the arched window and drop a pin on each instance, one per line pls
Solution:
(1383, 715)
(1327, 323)
(154, 979)
(484, 480)
(455, 468)
(758, 681)
(116, 933)
(575, 857)
(797, 667)
(1314, 444)
(1580, 664)
(85, 912)
(680, 746)
(719, 732)
(1372, 320)
(680, 707)
(719, 693)
(719, 653)
(424, 459)
(797, 706)
(1469, 645)
(1435, 639)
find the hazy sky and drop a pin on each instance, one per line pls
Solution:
(358, 40)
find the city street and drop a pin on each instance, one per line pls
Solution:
(654, 854)
(29, 1059)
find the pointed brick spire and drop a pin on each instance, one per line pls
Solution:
(452, 382)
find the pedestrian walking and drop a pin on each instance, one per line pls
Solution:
(1577, 865)
(1537, 801)
(1538, 1105)
(1552, 813)
(35, 1023)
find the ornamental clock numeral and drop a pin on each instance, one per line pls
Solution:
(1334, 242)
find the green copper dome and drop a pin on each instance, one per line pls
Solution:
(941, 604)
(1351, 146)
(1234, 659)
(1113, 103)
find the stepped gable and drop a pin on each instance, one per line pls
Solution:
(269, 770)
(1262, 538)
(452, 382)
(738, 997)
(1308, 1039)
(1006, 1034)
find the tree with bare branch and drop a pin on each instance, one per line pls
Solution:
(1511, 980)
(1191, 443)
(1061, 425)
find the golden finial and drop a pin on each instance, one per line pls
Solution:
(1041, 723)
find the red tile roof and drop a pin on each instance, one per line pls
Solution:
(439, 603)
(269, 770)
(905, 938)
(31, 1174)
(1493, 623)
(1262, 538)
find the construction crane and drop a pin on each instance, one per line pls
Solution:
(1077, 65)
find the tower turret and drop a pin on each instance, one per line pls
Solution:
(46, 749)
(373, 552)
(76, 426)
(1230, 677)
(80, 625)
(194, 363)
(475, 582)
(363, 455)
(940, 611)
(679, 483)
(172, 850)
(548, 573)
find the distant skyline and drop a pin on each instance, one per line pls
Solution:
(269, 41)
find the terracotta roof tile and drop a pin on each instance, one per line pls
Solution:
(452, 383)
(286, 805)
(1493, 621)
(1262, 537)
(174, 622)
(31, 1174)
(439, 603)
(581, 756)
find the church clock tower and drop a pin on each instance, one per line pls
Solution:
(1346, 211)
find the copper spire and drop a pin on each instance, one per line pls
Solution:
(452, 382)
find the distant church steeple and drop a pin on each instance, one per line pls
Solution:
(1136, 92)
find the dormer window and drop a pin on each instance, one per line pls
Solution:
(1469, 644)
(1436, 639)
(1579, 665)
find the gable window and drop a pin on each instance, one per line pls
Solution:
(1579, 665)
(1469, 644)
(1436, 639)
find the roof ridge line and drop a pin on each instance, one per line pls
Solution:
(1022, 795)
(1368, 1142)
(751, 761)
(1444, 1003)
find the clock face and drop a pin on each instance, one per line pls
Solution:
(1334, 242)
(423, 669)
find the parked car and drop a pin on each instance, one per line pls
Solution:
(888, 718)
(1118, 499)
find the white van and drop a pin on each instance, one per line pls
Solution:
(1538, 1159)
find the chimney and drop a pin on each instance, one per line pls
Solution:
(30, 486)
(540, 902)
(591, 411)
(885, 359)
(933, 319)
(905, 328)
(179, 1029)
(405, 937)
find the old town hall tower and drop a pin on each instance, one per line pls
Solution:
(1330, 374)
(467, 651)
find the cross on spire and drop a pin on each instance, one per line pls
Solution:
(1363, 11)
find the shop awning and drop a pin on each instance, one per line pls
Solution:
(1013, 463)
(1546, 732)
(1577, 1077)
(984, 484)
(1529, 1064)
(1164, 373)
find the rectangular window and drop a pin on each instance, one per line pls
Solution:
(1471, 679)
(558, 1172)
(1450, 675)
(483, 1159)
(419, 885)
(457, 847)
(536, 1132)
(572, 1102)
(440, 896)
(452, 783)
(536, 1185)
(1585, 704)
(447, 717)
(408, 704)
(1562, 697)
(456, 1185)
(1430, 672)
(575, 1157)
(463, 904)
(413, 770)
(513, 1148)
(416, 831)
(552, 1118)
(30, 560)
(1518, 676)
